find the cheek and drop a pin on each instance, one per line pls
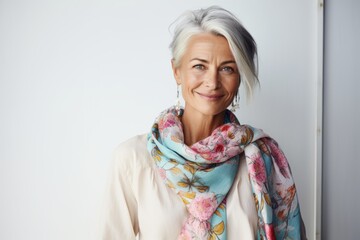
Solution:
(186, 90)
(190, 81)
(233, 86)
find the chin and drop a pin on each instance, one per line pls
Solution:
(206, 109)
(212, 111)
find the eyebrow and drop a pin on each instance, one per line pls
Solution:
(206, 61)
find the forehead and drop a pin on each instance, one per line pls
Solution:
(209, 45)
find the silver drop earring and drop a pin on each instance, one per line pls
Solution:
(235, 103)
(177, 105)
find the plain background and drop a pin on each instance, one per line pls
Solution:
(79, 77)
(341, 191)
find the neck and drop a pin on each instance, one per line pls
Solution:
(198, 126)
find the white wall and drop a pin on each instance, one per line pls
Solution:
(341, 214)
(79, 77)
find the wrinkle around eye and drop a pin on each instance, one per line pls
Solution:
(199, 67)
(228, 70)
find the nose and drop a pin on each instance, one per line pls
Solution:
(212, 80)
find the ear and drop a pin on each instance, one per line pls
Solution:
(176, 72)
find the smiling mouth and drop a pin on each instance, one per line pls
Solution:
(211, 97)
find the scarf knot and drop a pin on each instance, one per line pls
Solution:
(203, 173)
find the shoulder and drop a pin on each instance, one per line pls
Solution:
(134, 145)
(131, 153)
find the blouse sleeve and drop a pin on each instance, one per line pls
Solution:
(120, 210)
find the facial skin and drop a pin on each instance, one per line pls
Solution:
(208, 74)
(209, 79)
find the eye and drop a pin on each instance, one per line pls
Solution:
(228, 69)
(199, 67)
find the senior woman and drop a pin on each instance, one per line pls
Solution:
(199, 173)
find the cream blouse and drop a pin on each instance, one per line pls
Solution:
(140, 206)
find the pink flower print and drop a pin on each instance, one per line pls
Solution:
(212, 157)
(233, 151)
(166, 123)
(194, 229)
(257, 170)
(270, 233)
(199, 147)
(162, 173)
(219, 148)
(184, 234)
(201, 229)
(225, 127)
(203, 206)
(161, 124)
(279, 158)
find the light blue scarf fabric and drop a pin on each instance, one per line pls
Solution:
(202, 175)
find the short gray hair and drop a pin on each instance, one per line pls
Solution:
(218, 21)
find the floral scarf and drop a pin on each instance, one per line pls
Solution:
(202, 175)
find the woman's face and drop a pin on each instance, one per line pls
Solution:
(208, 74)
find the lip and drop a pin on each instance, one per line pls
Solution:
(211, 97)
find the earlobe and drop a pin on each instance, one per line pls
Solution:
(175, 72)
